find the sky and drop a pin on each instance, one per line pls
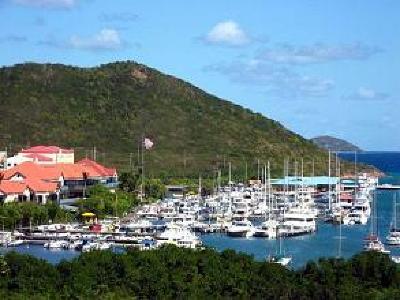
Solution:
(319, 67)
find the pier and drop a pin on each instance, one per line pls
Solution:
(388, 187)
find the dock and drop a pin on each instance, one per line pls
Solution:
(388, 187)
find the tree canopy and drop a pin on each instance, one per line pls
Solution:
(176, 273)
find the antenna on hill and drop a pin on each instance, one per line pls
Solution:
(94, 153)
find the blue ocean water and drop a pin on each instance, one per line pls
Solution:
(388, 162)
(323, 243)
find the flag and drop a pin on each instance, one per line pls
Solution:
(147, 143)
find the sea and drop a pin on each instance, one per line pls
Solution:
(328, 241)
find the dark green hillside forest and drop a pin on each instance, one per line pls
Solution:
(112, 106)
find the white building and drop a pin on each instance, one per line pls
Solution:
(43, 155)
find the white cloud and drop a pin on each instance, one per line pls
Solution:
(106, 39)
(364, 93)
(317, 53)
(63, 4)
(227, 33)
(274, 79)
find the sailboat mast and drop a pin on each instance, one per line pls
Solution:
(395, 211)
(302, 178)
(329, 181)
(295, 184)
(265, 185)
(338, 192)
(269, 190)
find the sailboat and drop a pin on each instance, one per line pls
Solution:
(372, 241)
(279, 257)
(393, 238)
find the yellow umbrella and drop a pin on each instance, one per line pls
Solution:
(88, 214)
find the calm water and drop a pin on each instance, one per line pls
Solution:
(388, 162)
(53, 256)
(325, 242)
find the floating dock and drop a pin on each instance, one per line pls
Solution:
(388, 187)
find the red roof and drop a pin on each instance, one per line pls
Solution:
(18, 187)
(47, 149)
(53, 172)
(41, 186)
(97, 170)
(12, 187)
(32, 170)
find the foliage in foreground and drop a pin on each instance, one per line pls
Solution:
(16, 214)
(103, 202)
(170, 273)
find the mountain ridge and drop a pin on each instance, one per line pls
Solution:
(328, 142)
(112, 106)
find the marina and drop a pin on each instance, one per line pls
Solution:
(291, 222)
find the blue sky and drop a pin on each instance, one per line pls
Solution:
(318, 67)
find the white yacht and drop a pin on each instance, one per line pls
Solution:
(241, 228)
(179, 236)
(15, 243)
(393, 238)
(373, 243)
(267, 229)
(297, 223)
(58, 244)
(355, 217)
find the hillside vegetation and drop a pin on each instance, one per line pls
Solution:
(112, 106)
(334, 144)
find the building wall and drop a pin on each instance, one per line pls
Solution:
(65, 158)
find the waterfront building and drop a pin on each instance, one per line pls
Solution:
(39, 183)
(43, 155)
(29, 190)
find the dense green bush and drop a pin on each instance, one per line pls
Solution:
(13, 215)
(174, 273)
(104, 202)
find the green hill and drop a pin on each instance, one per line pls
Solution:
(334, 144)
(113, 105)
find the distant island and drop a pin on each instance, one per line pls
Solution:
(334, 144)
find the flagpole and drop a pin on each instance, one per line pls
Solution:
(142, 185)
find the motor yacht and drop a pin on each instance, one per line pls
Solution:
(178, 235)
(241, 228)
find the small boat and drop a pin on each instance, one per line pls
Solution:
(15, 243)
(104, 246)
(280, 257)
(373, 243)
(395, 259)
(56, 244)
(355, 217)
(73, 245)
(393, 238)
